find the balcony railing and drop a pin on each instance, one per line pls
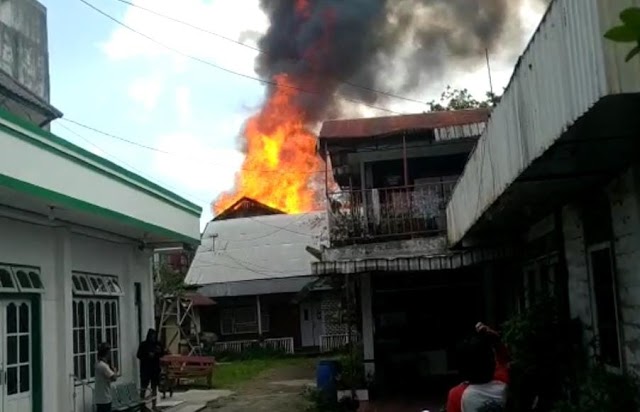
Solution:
(361, 216)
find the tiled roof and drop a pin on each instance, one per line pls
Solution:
(380, 126)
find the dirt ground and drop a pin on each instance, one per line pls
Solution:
(275, 390)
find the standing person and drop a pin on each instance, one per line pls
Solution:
(484, 368)
(105, 374)
(150, 352)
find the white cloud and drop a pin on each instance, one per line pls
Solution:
(194, 166)
(146, 91)
(223, 17)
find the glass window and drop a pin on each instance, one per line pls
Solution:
(98, 324)
(6, 280)
(23, 280)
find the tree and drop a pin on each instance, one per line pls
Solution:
(461, 99)
(628, 31)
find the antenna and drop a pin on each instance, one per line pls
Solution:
(489, 71)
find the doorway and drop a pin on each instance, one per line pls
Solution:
(311, 324)
(16, 364)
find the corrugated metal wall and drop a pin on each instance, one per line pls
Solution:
(567, 67)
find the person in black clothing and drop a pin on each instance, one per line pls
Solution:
(149, 352)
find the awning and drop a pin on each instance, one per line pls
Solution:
(447, 261)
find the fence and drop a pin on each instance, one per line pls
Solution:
(284, 345)
(330, 343)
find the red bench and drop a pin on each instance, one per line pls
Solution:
(178, 367)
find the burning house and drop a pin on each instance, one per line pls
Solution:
(388, 236)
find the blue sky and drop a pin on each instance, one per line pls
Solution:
(109, 78)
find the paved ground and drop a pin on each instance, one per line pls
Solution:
(275, 390)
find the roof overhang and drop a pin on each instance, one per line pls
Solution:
(257, 287)
(445, 261)
(43, 174)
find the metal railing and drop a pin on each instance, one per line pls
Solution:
(359, 216)
(330, 343)
(279, 344)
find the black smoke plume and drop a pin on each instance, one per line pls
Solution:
(391, 45)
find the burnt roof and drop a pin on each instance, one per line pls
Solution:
(246, 207)
(393, 125)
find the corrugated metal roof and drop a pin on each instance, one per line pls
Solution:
(380, 126)
(263, 247)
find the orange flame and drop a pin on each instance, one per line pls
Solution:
(281, 166)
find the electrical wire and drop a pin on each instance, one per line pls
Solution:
(155, 149)
(261, 51)
(214, 65)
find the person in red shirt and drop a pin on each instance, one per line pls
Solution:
(484, 366)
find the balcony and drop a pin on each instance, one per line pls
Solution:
(384, 214)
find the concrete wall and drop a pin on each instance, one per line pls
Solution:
(398, 248)
(57, 251)
(624, 196)
(23, 44)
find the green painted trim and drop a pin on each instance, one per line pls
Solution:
(83, 206)
(80, 155)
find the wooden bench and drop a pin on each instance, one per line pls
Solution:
(179, 367)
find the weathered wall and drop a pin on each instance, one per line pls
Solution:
(578, 272)
(23, 44)
(624, 194)
(399, 248)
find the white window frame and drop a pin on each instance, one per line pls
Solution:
(13, 279)
(266, 320)
(98, 296)
(94, 330)
(28, 271)
(594, 304)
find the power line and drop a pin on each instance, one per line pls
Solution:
(166, 152)
(248, 46)
(208, 63)
(78, 135)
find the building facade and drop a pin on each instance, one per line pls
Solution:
(387, 229)
(556, 172)
(77, 236)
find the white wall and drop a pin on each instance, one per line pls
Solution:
(57, 251)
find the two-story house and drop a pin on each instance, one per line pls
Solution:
(387, 229)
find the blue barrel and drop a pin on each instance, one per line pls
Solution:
(326, 371)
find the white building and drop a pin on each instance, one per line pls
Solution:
(76, 237)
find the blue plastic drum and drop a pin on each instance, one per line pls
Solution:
(326, 376)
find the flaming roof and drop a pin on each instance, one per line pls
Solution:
(392, 125)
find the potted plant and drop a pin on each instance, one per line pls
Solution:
(352, 384)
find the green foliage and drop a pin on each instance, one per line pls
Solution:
(352, 370)
(545, 351)
(601, 390)
(169, 282)
(628, 31)
(230, 375)
(461, 99)
(549, 362)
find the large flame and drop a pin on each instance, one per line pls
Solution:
(281, 164)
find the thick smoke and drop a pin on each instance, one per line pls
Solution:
(390, 45)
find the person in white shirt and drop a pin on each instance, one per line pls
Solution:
(105, 374)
